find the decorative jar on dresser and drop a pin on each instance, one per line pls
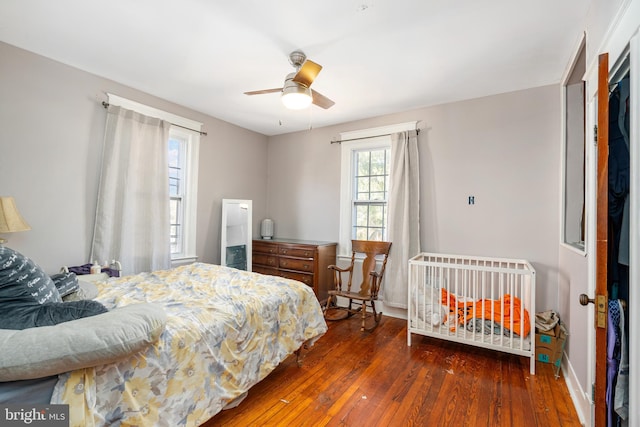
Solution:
(302, 260)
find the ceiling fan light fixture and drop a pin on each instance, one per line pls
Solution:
(296, 96)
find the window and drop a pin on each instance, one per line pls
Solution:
(370, 189)
(183, 146)
(574, 221)
(183, 177)
(366, 166)
(177, 193)
(366, 184)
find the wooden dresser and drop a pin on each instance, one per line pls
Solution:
(303, 260)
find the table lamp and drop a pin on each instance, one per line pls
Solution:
(10, 219)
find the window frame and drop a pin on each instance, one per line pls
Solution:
(356, 202)
(574, 144)
(350, 142)
(189, 196)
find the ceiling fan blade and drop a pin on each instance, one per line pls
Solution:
(307, 73)
(260, 92)
(320, 100)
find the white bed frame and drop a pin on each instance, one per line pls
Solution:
(473, 278)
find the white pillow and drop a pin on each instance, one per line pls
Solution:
(86, 290)
(82, 343)
(428, 306)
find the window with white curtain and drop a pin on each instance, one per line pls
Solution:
(365, 184)
(183, 146)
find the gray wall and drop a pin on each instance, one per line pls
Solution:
(504, 150)
(51, 130)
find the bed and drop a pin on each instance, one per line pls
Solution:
(480, 301)
(225, 331)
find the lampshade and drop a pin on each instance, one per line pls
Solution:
(10, 219)
(294, 95)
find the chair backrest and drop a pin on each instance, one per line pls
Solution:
(371, 250)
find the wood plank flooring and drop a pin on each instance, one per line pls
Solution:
(353, 378)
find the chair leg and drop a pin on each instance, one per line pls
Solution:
(330, 299)
(376, 316)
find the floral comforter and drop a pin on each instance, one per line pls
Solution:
(226, 330)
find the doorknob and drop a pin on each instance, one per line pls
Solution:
(584, 299)
(601, 305)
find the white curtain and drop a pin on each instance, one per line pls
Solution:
(132, 215)
(404, 216)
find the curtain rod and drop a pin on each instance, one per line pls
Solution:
(365, 137)
(106, 105)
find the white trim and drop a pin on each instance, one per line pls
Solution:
(581, 400)
(153, 112)
(574, 247)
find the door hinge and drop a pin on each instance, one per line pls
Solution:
(595, 133)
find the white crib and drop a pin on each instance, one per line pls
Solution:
(486, 302)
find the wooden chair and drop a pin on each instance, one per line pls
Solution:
(369, 288)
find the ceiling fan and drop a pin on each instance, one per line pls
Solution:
(296, 92)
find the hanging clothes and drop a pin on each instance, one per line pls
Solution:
(621, 394)
(619, 178)
(613, 359)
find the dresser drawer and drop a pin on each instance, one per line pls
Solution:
(296, 264)
(301, 252)
(265, 248)
(265, 270)
(307, 279)
(263, 259)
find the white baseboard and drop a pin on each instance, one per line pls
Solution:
(580, 397)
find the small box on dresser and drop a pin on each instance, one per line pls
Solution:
(302, 260)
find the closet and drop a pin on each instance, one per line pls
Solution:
(618, 237)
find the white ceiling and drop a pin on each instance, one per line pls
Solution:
(379, 56)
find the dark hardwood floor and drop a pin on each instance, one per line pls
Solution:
(353, 378)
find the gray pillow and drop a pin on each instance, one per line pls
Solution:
(65, 283)
(91, 341)
(23, 282)
(29, 298)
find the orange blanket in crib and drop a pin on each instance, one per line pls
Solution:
(502, 311)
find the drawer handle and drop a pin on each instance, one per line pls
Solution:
(307, 254)
(305, 266)
(284, 251)
(284, 263)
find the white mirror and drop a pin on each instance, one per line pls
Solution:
(236, 235)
